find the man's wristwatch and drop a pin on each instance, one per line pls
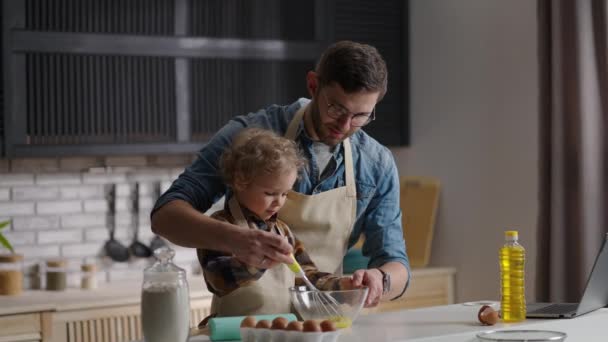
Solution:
(386, 281)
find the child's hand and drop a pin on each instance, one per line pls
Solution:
(346, 283)
(261, 249)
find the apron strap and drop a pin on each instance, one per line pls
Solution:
(237, 213)
(348, 154)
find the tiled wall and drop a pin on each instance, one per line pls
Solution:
(59, 208)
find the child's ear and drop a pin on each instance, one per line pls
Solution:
(239, 183)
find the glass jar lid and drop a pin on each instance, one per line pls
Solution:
(164, 269)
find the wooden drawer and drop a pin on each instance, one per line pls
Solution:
(21, 327)
(429, 287)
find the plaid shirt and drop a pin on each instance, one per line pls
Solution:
(224, 273)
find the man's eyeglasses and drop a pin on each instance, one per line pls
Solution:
(336, 111)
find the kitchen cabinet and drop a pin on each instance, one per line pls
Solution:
(109, 314)
(149, 77)
(429, 287)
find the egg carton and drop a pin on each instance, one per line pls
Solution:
(276, 335)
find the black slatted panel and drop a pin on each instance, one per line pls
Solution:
(381, 24)
(146, 17)
(240, 87)
(75, 99)
(253, 19)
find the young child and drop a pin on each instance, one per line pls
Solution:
(259, 168)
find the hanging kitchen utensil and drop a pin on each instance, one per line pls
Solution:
(114, 249)
(137, 248)
(157, 241)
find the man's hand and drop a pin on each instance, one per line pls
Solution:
(261, 249)
(372, 278)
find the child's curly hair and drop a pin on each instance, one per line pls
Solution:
(256, 151)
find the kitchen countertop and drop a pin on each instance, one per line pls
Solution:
(107, 294)
(458, 323)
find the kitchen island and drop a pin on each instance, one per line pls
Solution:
(458, 323)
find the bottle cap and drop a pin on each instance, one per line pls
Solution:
(511, 234)
(56, 263)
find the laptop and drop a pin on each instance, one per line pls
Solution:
(594, 297)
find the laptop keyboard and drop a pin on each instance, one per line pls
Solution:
(557, 308)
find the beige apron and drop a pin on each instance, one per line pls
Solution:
(324, 221)
(268, 295)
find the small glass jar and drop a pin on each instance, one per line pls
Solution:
(11, 274)
(56, 275)
(88, 280)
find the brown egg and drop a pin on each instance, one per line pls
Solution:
(263, 324)
(279, 323)
(248, 322)
(328, 326)
(487, 315)
(294, 326)
(311, 326)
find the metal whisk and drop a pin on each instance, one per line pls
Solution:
(323, 304)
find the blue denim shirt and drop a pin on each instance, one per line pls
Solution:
(376, 177)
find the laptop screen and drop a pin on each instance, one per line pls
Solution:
(596, 291)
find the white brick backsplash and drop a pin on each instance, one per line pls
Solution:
(123, 204)
(124, 190)
(175, 172)
(165, 185)
(59, 207)
(82, 250)
(144, 218)
(35, 222)
(145, 233)
(95, 205)
(5, 194)
(96, 234)
(124, 219)
(3, 219)
(124, 234)
(118, 275)
(59, 236)
(148, 189)
(20, 238)
(83, 220)
(35, 193)
(82, 192)
(148, 175)
(146, 203)
(12, 179)
(16, 208)
(39, 251)
(58, 179)
(103, 178)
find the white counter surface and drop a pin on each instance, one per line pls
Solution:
(458, 323)
(113, 294)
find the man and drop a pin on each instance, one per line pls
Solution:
(351, 186)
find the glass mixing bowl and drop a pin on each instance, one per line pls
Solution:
(342, 307)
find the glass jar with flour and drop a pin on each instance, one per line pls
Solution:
(165, 304)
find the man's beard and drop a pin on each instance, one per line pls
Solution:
(320, 130)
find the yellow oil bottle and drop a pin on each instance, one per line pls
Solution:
(512, 258)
